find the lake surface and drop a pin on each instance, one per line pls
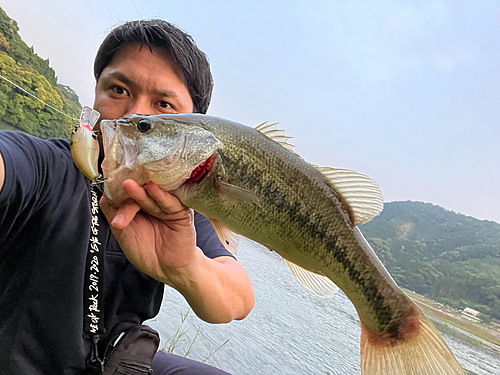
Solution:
(293, 331)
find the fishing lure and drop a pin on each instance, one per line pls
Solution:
(84, 145)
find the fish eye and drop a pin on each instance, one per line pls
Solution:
(144, 125)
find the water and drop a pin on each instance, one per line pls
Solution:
(293, 331)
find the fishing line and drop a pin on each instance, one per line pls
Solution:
(48, 105)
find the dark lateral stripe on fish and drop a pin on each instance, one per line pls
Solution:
(317, 229)
(258, 188)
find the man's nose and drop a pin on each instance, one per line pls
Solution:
(140, 106)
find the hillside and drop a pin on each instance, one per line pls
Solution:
(20, 64)
(446, 256)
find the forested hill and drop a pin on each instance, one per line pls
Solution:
(21, 65)
(446, 256)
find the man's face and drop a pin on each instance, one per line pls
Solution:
(140, 81)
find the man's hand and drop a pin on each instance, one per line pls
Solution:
(155, 231)
(157, 235)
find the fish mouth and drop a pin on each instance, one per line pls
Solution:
(199, 172)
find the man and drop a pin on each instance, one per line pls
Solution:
(144, 67)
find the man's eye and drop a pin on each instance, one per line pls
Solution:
(164, 104)
(119, 90)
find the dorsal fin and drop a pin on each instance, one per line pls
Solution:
(361, 193)
(319, 284)
(271, 131)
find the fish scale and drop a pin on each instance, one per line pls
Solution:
(311, 214)
(255, 186)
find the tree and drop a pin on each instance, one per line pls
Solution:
(21, 65)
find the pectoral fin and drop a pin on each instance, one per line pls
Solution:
(228, 238)
(235, 193)
(319, 284)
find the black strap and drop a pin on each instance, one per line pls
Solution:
(93, 292)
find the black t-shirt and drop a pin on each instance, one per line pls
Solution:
(44, 234)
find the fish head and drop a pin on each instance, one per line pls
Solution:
(166, 149)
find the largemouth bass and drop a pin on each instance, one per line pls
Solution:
(248, 181)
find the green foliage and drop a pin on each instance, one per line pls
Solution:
(449, 257)
(21, 65)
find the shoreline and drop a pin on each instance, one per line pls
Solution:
(451, 316)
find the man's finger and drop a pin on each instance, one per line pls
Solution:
(122, 216)
(166, 201)
(153, 200)
(139, 195)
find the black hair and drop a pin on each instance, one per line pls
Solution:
(178, 44)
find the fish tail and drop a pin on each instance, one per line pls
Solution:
(420, 351)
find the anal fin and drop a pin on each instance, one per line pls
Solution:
(319, 284)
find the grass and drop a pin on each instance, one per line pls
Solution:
(183, 337)
(180, 336)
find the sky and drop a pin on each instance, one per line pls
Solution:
(406, 92)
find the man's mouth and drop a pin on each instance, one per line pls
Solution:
(199, 172)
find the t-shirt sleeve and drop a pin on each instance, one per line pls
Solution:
(33, 167)
(206, 238)
(19, 181)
